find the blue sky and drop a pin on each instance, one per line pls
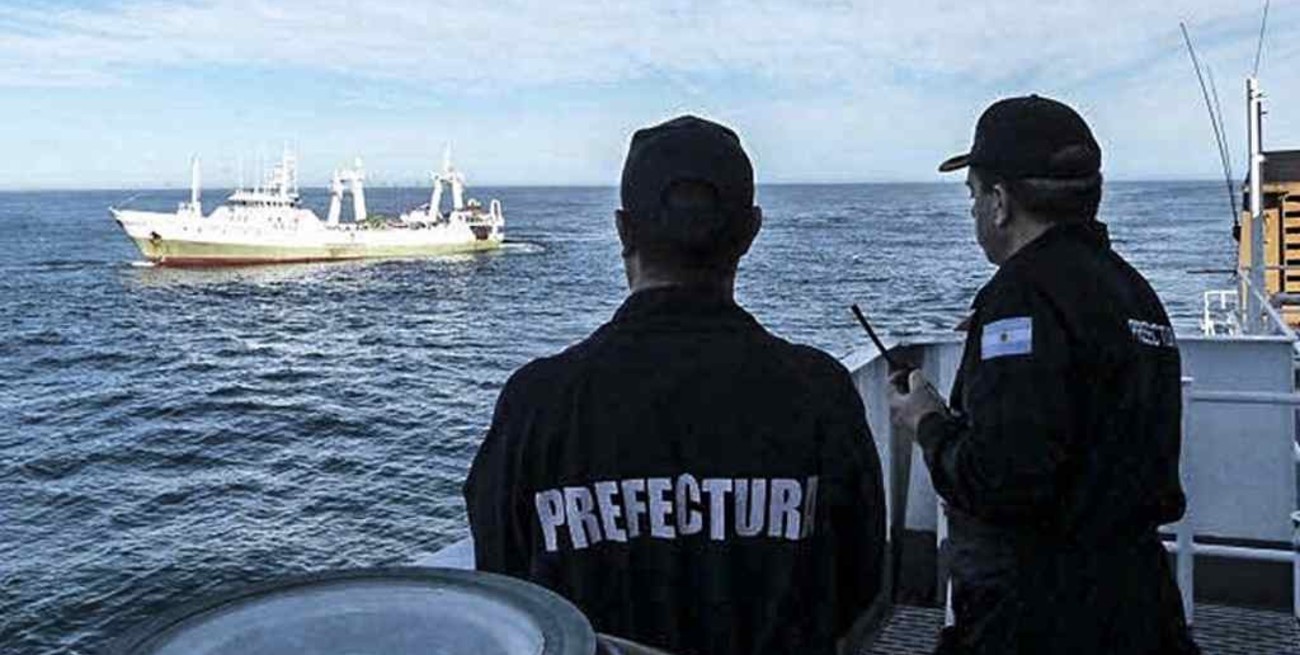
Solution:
(119, 93)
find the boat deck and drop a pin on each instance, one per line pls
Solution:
(1219, 630)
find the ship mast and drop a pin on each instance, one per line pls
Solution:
(358, 192)
(336, 198)
(453, 178)
(435, 201)
(1255, 277)
(354, 178)
(195, 193)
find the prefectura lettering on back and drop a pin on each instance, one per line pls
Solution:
(674, 507)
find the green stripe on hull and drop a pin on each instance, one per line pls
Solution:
(197, 253)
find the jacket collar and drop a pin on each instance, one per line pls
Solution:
(681, 304)
(1093, 233)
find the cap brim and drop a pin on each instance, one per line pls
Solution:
(955, 163)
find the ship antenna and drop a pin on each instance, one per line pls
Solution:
(1225, 152)
(1215, 123)
(1259, 49)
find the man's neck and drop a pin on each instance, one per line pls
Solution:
(1029, 232)
(645, 280)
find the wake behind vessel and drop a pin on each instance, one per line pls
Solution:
(268, 224)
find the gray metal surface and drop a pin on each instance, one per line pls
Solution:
(1238, 457)
(1219, 629)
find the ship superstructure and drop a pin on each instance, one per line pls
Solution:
(1276, 201)
(268, 224)
(1266, 299)
(467, 217)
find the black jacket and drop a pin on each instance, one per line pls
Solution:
(612, 474)
(1062, 459)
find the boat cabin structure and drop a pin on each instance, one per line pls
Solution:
(1280, 209)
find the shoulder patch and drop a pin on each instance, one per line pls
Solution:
(1009, 336)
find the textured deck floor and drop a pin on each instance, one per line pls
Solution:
(1219, 629)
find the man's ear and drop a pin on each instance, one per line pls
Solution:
(751, 229)
(623, 223)
(1001, 205)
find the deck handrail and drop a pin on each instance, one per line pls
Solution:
(1279, 324)
(1246, 397)
(1185, 547)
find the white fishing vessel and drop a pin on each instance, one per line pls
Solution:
(268, 224)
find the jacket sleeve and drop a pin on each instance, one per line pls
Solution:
(491, 495)
(1002, 460)
(854, 511)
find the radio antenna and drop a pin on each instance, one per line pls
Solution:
(1259, 49)
(1225, 152)
(884, 352)
(1216, 123)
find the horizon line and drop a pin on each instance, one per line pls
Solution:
(178, 187)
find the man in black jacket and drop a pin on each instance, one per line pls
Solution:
(684, 477)
(1059, 457)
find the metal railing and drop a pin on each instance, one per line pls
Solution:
(1225, 312)
(1185, 546)
(1219, 312)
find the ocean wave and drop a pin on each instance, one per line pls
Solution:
(46, 337)
(62, 264)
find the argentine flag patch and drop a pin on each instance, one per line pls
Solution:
(1009, 336)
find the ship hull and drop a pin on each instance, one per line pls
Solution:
(198, 253)
(172, 240)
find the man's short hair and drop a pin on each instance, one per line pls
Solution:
(687, 189)
(1056, 200)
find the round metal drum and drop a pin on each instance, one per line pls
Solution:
(380, 611)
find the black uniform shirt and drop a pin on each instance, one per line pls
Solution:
(687, 480)
(1062, 458)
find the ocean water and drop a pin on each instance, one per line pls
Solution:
(165, 434)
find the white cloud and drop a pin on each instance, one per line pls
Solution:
(819, 90)
(543, 43)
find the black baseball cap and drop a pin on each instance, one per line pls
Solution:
(686, 148)
(1031, 137)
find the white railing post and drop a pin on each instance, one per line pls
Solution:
(1186, 556)
(944, 571)
(1295, 566)
(900, 477)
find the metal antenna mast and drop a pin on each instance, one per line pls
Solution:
(1216, 122)
(1259, 49)
(1225, 151)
